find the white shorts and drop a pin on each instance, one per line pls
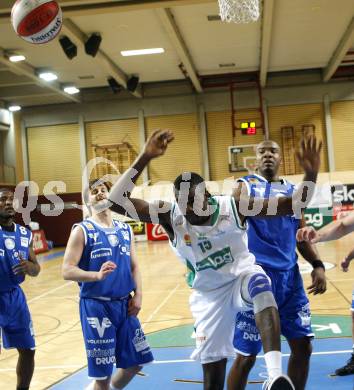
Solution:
(215, 315)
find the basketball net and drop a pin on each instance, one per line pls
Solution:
(239, 11)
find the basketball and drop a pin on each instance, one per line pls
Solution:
(36, 21)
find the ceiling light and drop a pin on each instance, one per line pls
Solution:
(48, 76)
(17, 58)
(14, 108)
(92, 45)
(127, 53)
(71, 90)
(69, 48)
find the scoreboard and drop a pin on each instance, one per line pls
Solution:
(248, 128)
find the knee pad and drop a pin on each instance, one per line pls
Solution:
(260, 291)
(258, 283)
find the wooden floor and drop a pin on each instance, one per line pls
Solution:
(54, 306)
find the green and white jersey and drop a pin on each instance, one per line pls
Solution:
(216, 253)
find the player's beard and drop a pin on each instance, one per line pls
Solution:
(6, 217)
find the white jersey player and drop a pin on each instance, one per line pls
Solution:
(209, 235)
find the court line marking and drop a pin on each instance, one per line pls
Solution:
(49, 292)
(169, 295)
(45, 367)
(258, 357)
(171, 361)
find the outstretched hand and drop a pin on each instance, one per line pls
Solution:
(157, 143)
(345, 264)
(308, 234)
(309, 155)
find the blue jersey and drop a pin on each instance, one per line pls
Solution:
(13, 245)
(272, 240)
(107, 244)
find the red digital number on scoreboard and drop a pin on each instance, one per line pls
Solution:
(248, 128)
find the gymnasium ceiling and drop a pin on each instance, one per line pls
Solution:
(291, 35)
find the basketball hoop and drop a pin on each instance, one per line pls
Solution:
(239, 11)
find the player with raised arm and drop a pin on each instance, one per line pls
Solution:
(17, 260)
(209, 234)
(100, 255)
(273, 242)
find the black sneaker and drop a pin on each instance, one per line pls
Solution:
(348, 369)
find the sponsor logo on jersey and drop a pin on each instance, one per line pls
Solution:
(216, 260)
(89, 226)
(187, 240)
(251, 336)
(101, 252)
(94, 236)
(105, 360)
(253, 180)
(125, 235)
(200, 339)
(24, 242)
(113, 239)
(9, 243)
(100, 341)
(99, 353)
(95, 324)
(305, 315)
(139, 341)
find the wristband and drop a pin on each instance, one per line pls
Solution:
(317, 264)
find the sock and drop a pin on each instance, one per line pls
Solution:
(273, 363)
(22, 388)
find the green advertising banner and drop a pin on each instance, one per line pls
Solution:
(318, 217)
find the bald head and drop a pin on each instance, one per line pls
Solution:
(268, 158)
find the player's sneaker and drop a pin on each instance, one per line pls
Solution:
(281, 382)
(348, 369)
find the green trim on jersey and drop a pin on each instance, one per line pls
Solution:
(237, 218)
(190, 275)
(216, 213)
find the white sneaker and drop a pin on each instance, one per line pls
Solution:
(281, 382)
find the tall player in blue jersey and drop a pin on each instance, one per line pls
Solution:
(208, 234)
(273, 242)
(17, 260)
(100, 255)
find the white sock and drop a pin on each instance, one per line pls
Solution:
(273, 363)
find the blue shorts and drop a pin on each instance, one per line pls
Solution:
(294, 312)
(15, 320)
(112, 337)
